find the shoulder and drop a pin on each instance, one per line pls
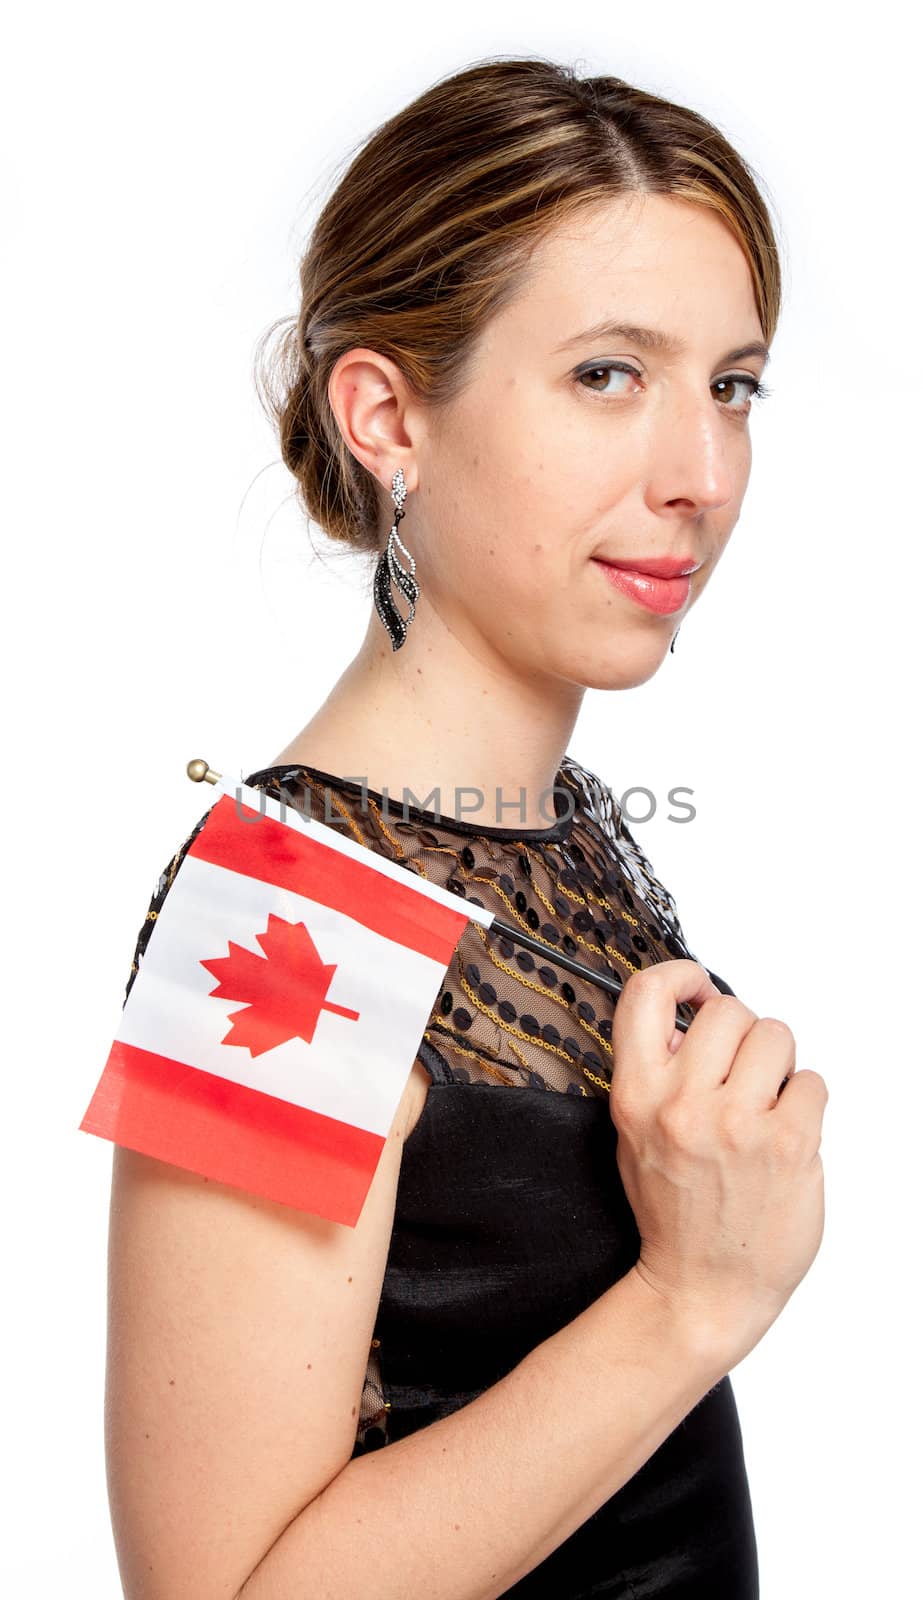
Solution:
(272, 785)
(413, 1100)
(159, 895)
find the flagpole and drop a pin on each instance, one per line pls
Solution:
(200, 771)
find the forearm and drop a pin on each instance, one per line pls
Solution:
(430, 1514)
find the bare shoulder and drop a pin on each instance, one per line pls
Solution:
(415, 1096)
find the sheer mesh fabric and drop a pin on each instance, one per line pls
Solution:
(505, 1016)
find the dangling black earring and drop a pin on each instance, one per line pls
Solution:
(673, 641)
(389, 570)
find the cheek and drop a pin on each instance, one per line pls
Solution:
(498, 505)
(520, 496)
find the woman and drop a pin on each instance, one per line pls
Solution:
(536, 310)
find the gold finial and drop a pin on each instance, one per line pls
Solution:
(198, 770)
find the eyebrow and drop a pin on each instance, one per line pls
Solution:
(656, 339)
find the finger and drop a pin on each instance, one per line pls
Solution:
(804, 1104)
(644, 1022)
(765, 1058)
(712, 1041)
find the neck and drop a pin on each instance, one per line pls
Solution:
(445, 727)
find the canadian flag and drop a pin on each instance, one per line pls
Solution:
(278, 1007)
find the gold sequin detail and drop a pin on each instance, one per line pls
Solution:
(537, 988)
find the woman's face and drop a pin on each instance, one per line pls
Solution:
(569, 446)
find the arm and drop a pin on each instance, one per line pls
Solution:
(239, 1333)
(430, 1514)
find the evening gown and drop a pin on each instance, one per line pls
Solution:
(510, 1215)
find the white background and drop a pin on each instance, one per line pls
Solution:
(160, 169)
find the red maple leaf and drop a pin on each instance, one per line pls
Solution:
(287, 987)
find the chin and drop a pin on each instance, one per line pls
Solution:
(626, 670)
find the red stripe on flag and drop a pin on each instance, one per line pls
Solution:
(275, 852)
(236, 1135)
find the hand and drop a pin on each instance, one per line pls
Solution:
(722, 1170)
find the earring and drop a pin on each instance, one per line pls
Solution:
(389, 570)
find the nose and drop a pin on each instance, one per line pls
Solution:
(700, 459)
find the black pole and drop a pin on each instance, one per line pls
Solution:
(557, 958)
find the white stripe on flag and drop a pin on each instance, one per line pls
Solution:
(344, 1072)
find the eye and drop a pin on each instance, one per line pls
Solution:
(605, 367)
(755, 389)
(588, 377)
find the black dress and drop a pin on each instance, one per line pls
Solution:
(510, 1214)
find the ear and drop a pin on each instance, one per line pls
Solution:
(376, 414)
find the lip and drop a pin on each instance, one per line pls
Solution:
(660, 595)
(656, 566)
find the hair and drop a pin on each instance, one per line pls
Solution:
(429, 231)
